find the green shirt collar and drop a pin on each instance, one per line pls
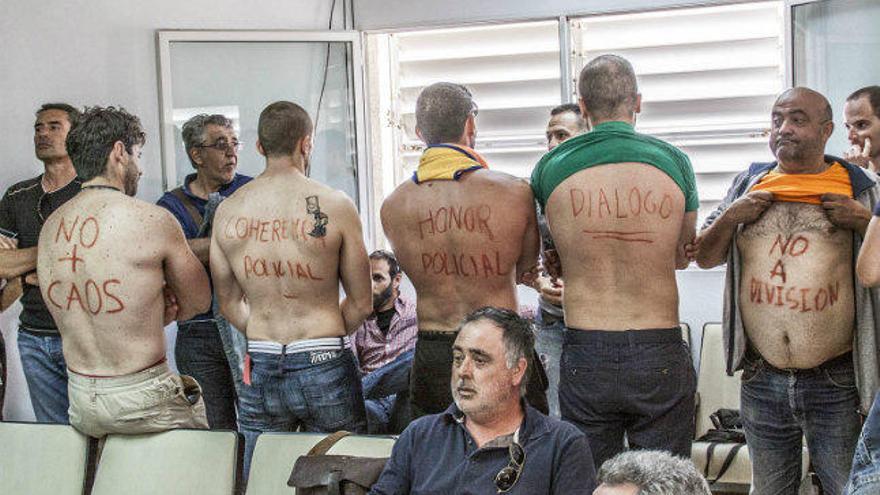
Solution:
(614, 125)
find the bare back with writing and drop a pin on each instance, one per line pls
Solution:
(286, 242)
(619, 231)
(104, 260)
(463, 244)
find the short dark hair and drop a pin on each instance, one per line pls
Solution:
(608, 86)
(89, 142)
(388, 256)
(73, 114)
(193, 130)
(516, 332)
(566, 107)
(282, 126)
(870, 92)
(441, 112)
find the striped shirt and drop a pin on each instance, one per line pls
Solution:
(375, 349)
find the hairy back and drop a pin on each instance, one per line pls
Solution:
(460, 242)
(100, 272)
(617, 229)
(282, 238)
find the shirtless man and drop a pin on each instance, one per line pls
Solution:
(862, 112)
(279, 249)
(464, 235)
(788, 231)
(621, 207)
(106, 285)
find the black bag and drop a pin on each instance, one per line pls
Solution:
(728, 429)
(318, 474)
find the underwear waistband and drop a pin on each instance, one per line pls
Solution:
(845, 359)
(308, 345)
(645, 336)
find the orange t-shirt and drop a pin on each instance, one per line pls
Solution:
(806, 188)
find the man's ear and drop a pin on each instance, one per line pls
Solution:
(470, 128)
(519, 371)
(260, 148)
(195, 155)
(827, 129)
(305, 145)
(419, 134)
(585, 113)
(638, 106)
(395, 282)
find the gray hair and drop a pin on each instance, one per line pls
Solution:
(194, 131)
(441, 112)
(654, 472)
(608, 86)
(517, 334)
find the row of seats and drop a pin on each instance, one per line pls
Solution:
(40, 459)
(56, 459)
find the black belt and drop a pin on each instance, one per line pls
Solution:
(620, 337)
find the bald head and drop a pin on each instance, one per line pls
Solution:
(809, 99)
(608, 88)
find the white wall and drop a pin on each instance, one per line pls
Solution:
(89, 52)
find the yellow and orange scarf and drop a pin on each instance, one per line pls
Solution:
(447, 162)
(806, 188)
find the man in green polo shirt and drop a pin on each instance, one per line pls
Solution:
(621, 208)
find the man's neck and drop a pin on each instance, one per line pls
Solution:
(285, 165)
(629, 120)
(814, 165)
(101, 182)
(58, 173)
(504, 420)
(202, 186)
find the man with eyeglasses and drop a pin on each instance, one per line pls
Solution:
(23, 210)
(796, 321)
(465, 236)
(206, 347)
(490, 440)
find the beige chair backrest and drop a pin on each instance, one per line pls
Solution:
(174, 462)
(686, 334)
(275, 454)
(42, 459)
(715, 389)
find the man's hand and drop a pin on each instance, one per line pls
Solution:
(552, 264)
(750, 207)
(8, 242)
(846, 212)
(551, 290)
(171, 307)
(861, 156)
(691, 248)
(32, 279)
(530, 276)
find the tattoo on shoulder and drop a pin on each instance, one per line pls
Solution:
(313, 208)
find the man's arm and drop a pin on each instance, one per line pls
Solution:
(354, 270)
(846, 212)
(686, 239)
(714, 242)
(527, 264)
(395, 478)
(201, 248)
(184, 275)
(15, 262)
(231, 300)
(868, 264)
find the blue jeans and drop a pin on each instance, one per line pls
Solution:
(865, 476)
(289, 392)
(46, 373)
(548, 344)
(636, 383)
(382, 388)
(199, 353)
(780, 407)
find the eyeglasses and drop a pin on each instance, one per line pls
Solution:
(509, 475)
(222, 145)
